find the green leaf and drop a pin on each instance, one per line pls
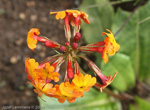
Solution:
(134, 44)
(141, 104)
(100, 19)
(134, 39)
(92, 100)
(121, 64)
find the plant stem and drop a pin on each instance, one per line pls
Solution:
(123, 96)
(127, 20)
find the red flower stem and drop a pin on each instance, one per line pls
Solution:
(77, 22)
(58, 62)
(91, 64)
(67, 27)
(76, 66)
(50, 59)
(96, 70)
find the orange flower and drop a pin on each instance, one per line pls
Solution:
(42, 87)
(72, 14)
(107, 80)
(30, 66)
(64, 92)
(83, 83)
(110, 47)
(47, 73)
(105, 56)
(31, 38)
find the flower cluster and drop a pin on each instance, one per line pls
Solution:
(44, 76)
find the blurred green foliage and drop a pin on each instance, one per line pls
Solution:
(134, 39)
(141, 104)
(121, 64)
(92, 100)
(100, 19)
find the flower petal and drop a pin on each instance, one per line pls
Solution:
(31, 41)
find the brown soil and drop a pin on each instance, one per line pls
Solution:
(17, 17)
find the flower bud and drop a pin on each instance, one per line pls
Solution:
(77, 37)
(62, 48)
(70, 73)
(67, 43)
(75, 45)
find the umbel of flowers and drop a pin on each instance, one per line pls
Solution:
(44, 76)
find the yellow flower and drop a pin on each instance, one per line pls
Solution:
(64, 92)
(83, 83)
(59, 15)
(31, 38)
(41, 86)
(110, 47)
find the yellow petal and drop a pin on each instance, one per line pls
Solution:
(31, 42)
(78, 79)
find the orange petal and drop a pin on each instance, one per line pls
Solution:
(105, 57)
(84, 16)
(61, 100)
(49, 68)
(71, 100)
(59, 15)
(110, 79)
(110, 35)
(117, 47)
(48, 89)
(65, 90)
(53, 13)
(31, 42)
(109, 48)
(30, 66)
(78, 79)
(38, 92)
(89, 81)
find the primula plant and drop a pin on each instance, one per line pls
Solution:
(44, 76)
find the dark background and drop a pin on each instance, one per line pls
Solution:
(17, 17)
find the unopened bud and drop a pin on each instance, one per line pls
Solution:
(75, 45)
(70, 73)
(77, 37)
(62, 48)
(67, 43)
